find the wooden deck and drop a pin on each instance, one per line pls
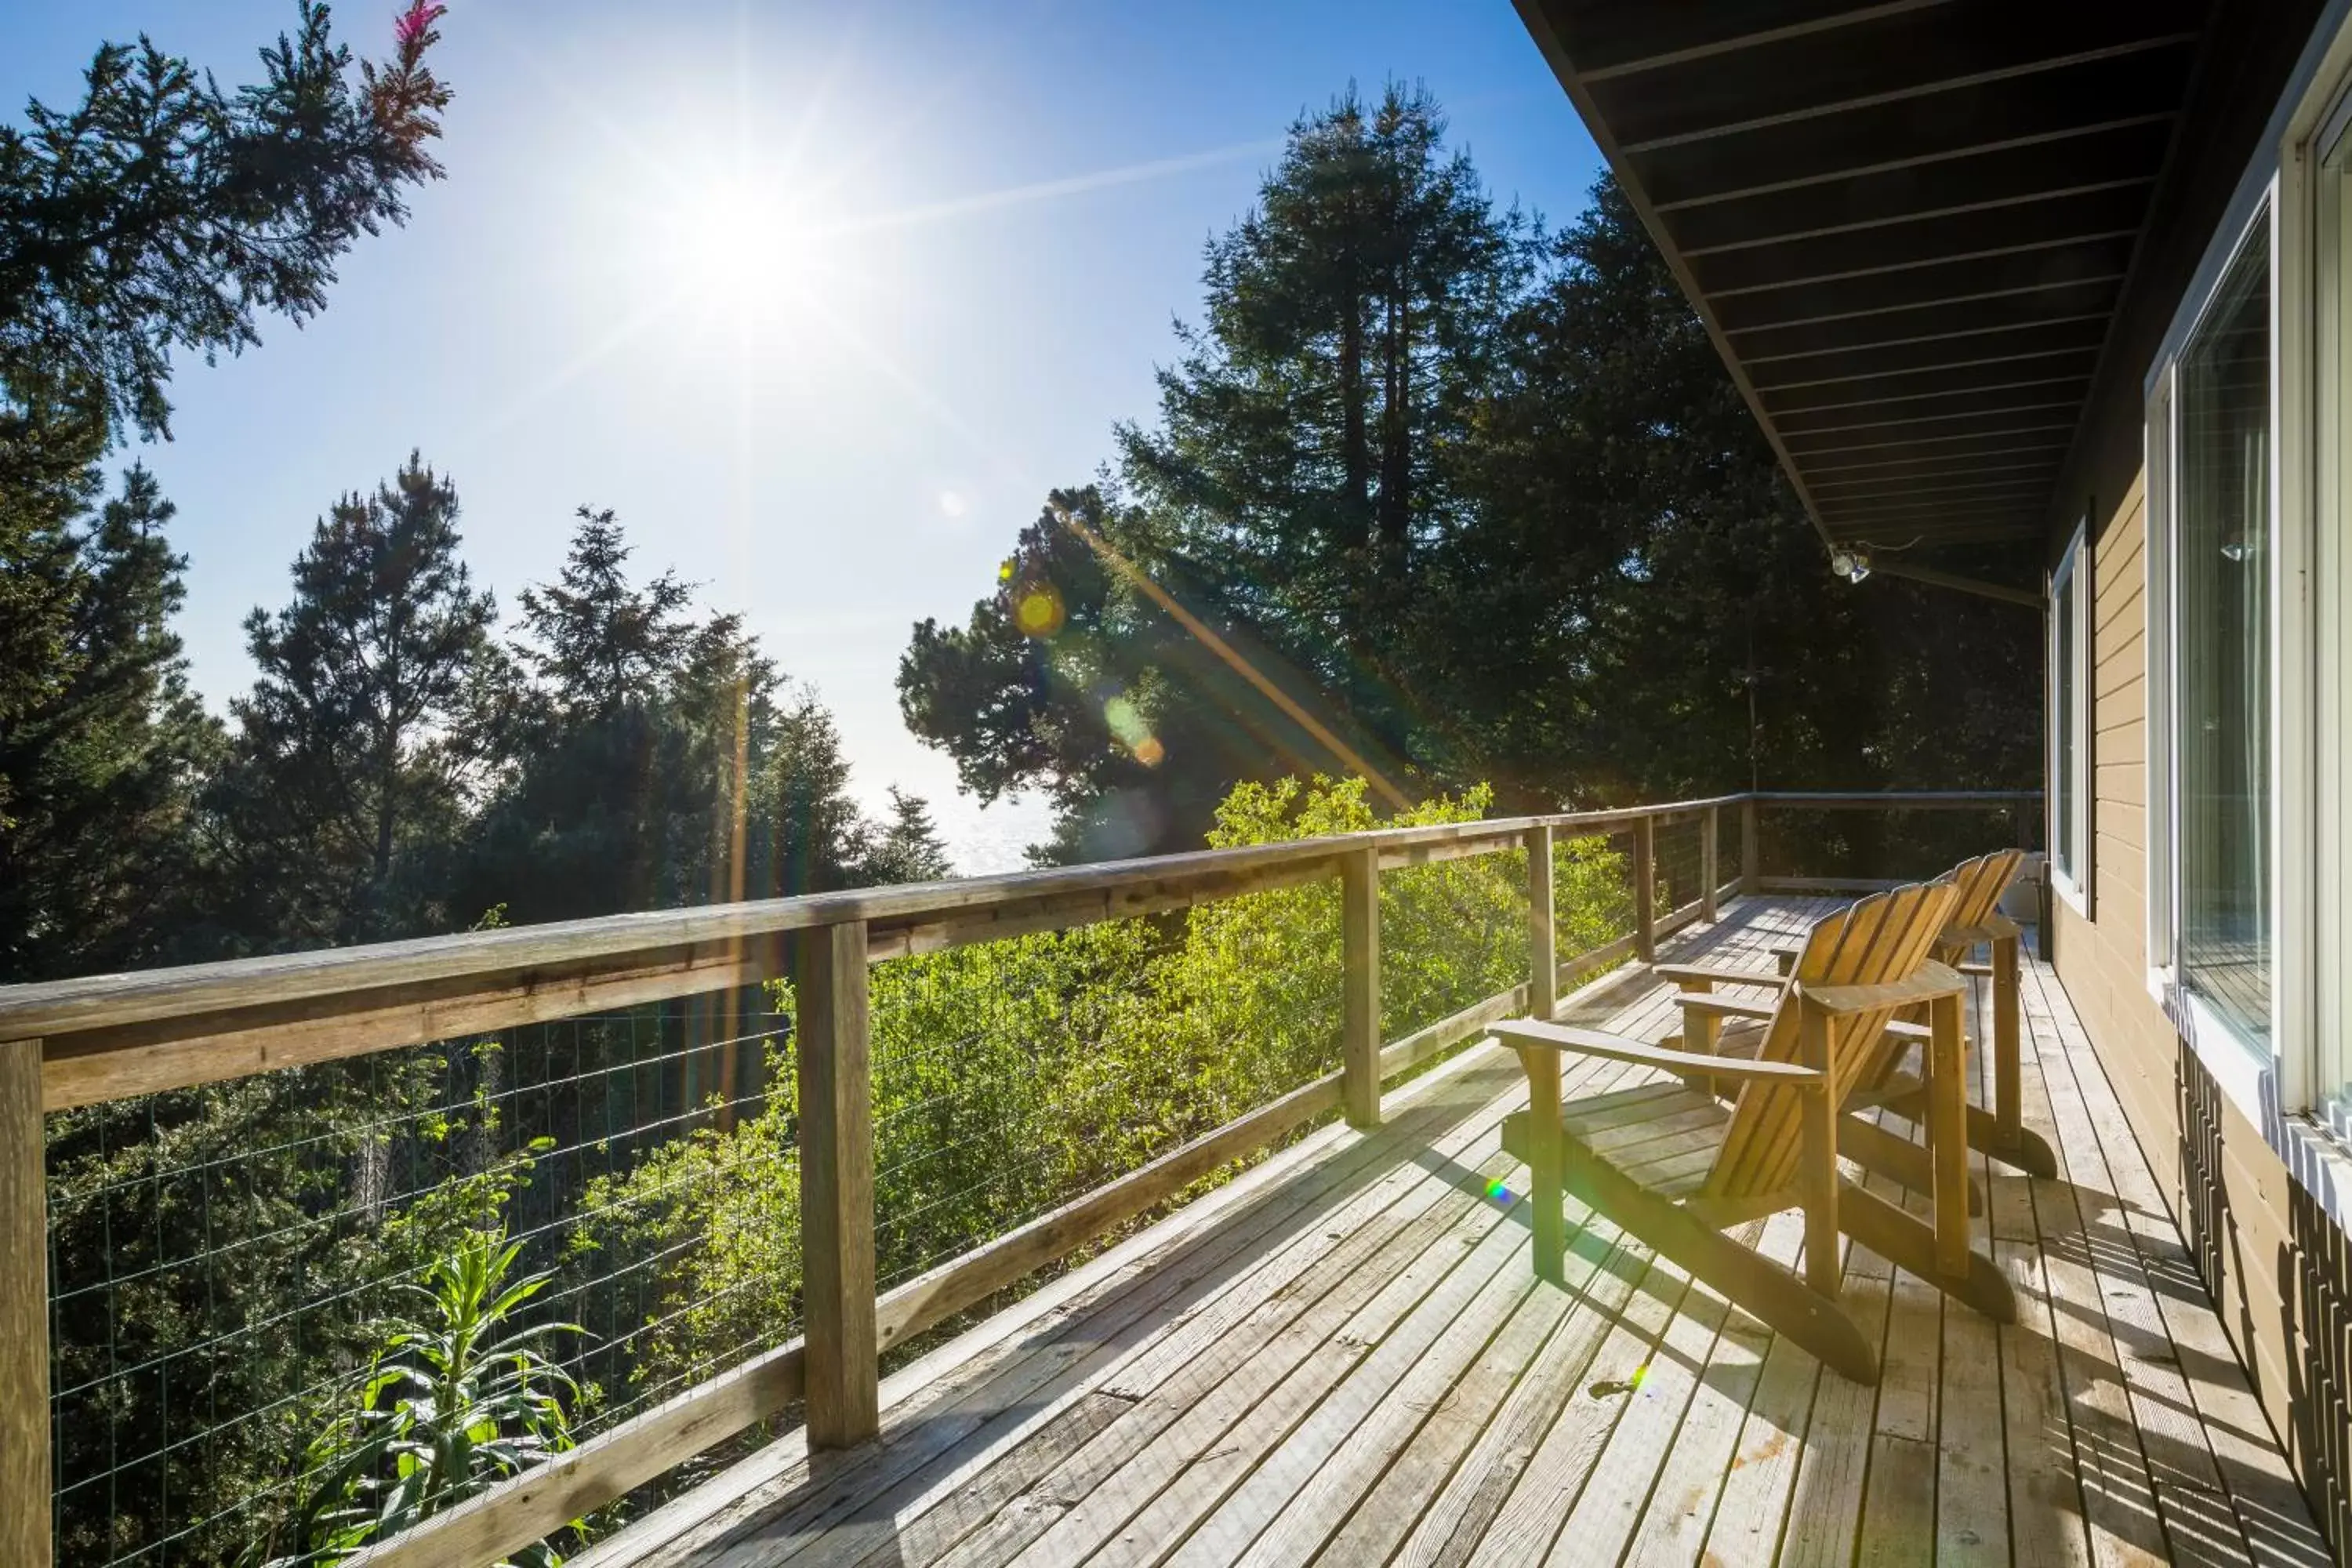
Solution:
(1345, 1356)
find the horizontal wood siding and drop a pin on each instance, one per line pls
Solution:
(2259, 1255)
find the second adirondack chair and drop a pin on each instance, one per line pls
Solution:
(1717, 1026)
(1677, 1167)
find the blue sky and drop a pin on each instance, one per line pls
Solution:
(1012, 197)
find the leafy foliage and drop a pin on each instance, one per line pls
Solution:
(236, 1239)
(446, 1407)
(161, 212)
(1010, 1077)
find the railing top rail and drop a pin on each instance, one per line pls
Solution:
(52, 1007)
(1928, 799)
(429, 975)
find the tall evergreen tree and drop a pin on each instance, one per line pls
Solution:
(1307, 462)
(156, 216)
(1666, 623)
(1600, 588)
(349, 768)
(655, 760)
(596, 642)
(93, 846)
(1307, 435)
(908, 847)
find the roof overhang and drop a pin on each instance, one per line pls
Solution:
(1907, 227)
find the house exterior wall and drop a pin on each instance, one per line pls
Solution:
(2274, 1263)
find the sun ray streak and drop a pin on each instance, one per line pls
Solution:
(532, 59)
(1049, 190)
(578, 364)
(990, 452)
(1201, 631)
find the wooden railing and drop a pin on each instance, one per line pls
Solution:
(85, 1042)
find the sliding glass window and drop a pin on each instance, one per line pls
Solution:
(2222, 649)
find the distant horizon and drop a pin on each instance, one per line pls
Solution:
(969, 281)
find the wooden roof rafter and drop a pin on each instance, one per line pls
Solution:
(1907, 226)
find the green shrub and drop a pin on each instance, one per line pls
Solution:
(1013, 1075)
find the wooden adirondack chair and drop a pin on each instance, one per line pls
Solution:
(1677, 1167)
(1716, 1025)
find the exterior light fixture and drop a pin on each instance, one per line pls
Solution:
(1853, 565)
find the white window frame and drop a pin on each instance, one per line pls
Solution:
(2311, 824)
(2070, 588)
(2248, 1071)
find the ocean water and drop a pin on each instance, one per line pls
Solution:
(983, 839)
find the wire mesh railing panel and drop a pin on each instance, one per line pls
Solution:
(1677, 852)
(1012, 1077)
(233, 1268)
(1593, 891)
(1452, 934)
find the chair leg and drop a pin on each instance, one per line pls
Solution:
(1776, 1296)
(1910, 1243)
(2027, 1151)
(1544, 1156)
(1897, 1159)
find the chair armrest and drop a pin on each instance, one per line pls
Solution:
(1918, 1033)
(1995, 928)
(1715, 975)
(1618, 1049)
(1725, 1007)
(1930, 982)
(1980, 971)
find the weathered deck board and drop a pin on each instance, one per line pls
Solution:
(1345, 1358)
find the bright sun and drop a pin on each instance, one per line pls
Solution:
(743, 247)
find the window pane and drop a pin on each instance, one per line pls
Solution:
(2064, 786)
(2222, 730)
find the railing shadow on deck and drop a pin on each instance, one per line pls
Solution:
(92, 1042)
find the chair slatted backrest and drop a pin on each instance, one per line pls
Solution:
(1882, 939)
(1982, 882)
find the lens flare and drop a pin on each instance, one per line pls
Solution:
(1131, 729)
(1038, 612)
(1500, 1193)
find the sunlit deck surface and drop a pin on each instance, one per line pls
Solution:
(1345, 1356)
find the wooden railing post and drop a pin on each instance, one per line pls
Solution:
(24, 1311)
(1543, 953)
(1360, 986)
(1645, 890)
(836, 1108)
(1751, 852)
(1707, 873)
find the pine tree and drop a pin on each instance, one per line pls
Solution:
(595, 642)
(162, 213)
(349, 768)
(158, 215)
(907, 847)
(1307, 435)
(96, 842)
(655, 760)
(807, 836)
